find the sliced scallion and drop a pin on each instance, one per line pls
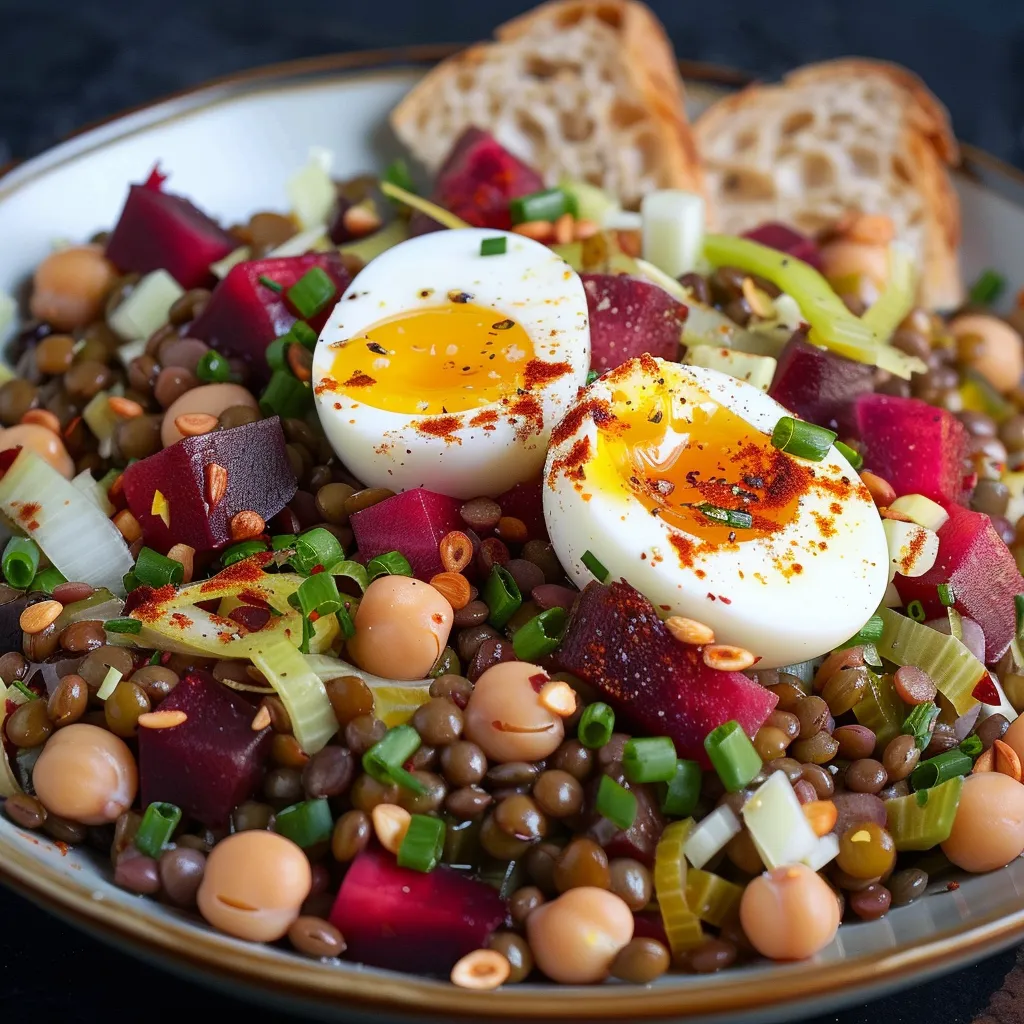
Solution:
(683, 790)
(156, 828)
(47, 581)
(591, 561)
(156, 570)
(869, 633)
(501, 595)
(939, 769)
(268, 282)
(316, 547)
(592, 375)
(312, 292)
(319, 594)
(243, 549)
(947, 598)
(353, 570)
(20, 561)
(306, 823)
(972, 746)
(804, 440)
(494, 246)
(915, 611)
(384, 760)
(854, 458)
(987, 288)
(549, 204)
(540, 636)
(616, 803)
(596, 725)
(391, 563)
(726, 516)
(920, 723)
(732, 755)
(123, 626)
(282, 541)
(213, 368)
(285, 396)
(649, 759)
(423, 844)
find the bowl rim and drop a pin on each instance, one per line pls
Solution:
(180, 942)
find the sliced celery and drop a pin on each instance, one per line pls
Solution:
(432, 210)
(923, 820)
(951, 665)
(682, 926)
(711, 834)
(712, 898)
(880, 709)
(146, 307)
(311, 191)
(394, 700)
(897, 298)
(592, 203)
(921, 510)
(673, 230)
(92, 489)
(221, 268)
(777, 823)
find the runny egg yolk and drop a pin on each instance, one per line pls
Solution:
(449, 358)
(684, 455)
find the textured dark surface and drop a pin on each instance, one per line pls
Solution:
(65, 64)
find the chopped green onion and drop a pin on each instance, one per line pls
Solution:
(924, 819)
(156, 828)
(20, 561)
(130, 581)
(243, 549)
(494, 246)
(301, 332)
(590, 560)
(880, 709)
(109, 684)
(804, 440)
(47, 581)
(854, 458)
(501, 595)
(869, 633)
(123, 625)
(423, 844)
(353, 570)
(384, 760)
(649, 759)
(282, 541)
(683, 790)
(319, 594)
(920, 723)
(1018, 607)
(213, 368)
(23, 689)
(348, 627)
(972, 746)
(939, 769)
(988, 287)
(397, 173)
(156, 570)
(267, 282)
(276, 353)
(732, 755)
(592, 375)
(549, 204)
(946, 596)
(285, 396)
(316, 547)
(596, 725)
(915, 611)
(616, 803)
(726, 516)
(312, 292)
(540, 636)
(391, 563)
(306, 823)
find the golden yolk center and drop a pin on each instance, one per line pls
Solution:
(700, 467)
(450, 358)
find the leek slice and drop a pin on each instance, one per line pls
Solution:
(102, 421)
(74, 534)
(146, 307)
(223, 266)
(8, 780)
(432, 210)
(923, 511)
(94, 491)
(301, 691)
(920, 826)
(311, 190)
(777, 823)
(673, 230)
(682, 926)
(313, 239)
(711, 834)
(713, 899)
(825, 851)
(880, 709)
(592, 203)
(955, 671)
(897, 298)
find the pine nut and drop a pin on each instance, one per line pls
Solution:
(538, 230)
(689, 631)
(124, 407)
(194, 424)
(390, 822)
(36, 617)
(42, 418)
(584, 229)
(456, 551)
(185, 555)
(483, 970)
(128, 526)
(453, 587)
(563, 230)
(162, 719)
(727, 658)
(1007, 760)
(986, 762)
(262, 719)
(881, 491)
(247, 525)
(558, 697)
(216, 484)
(359, 221)
(822, 816)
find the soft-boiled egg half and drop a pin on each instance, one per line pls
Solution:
(444, 368)
(640, 473)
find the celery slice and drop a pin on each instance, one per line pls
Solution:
(592, 203)
(825, 850)
(711, 834)
(432, 210)
(777, 823)
(923, 511)
(920, 826)
(673, 230)
(223, 266)
(951, 665)
(394, 700)
(303, 694)
(682, 926)
(711, 897)
(880, 709)
(146, 307)
(94, 491)
(897, 298)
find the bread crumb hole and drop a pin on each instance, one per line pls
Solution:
(576, 126)
(865, 162)
(818, 170)
(899, 168)
(748, 184)
(529, 127)
(610, 16)
(540, 67)
(797, 121)
(625, 114)
(649, 152)
(571, 16)
(465, 81)
(745, 141)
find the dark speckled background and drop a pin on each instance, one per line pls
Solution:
(63, 64)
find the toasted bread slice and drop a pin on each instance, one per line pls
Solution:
(843, 136)
(584, 88)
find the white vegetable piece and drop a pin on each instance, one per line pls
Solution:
(673, 230)
(777, 823)
(311, 190)
(592, 203)
(311, 239)
(221, 268)
(825, 850)
(91, 488)
(912, 548)
(301, 692)
(146, 307)
(923, 511)
(756, 370)
(711, 835)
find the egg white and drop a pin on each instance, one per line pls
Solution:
(529, 284)
(744, 593)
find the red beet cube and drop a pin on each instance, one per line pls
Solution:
(177, 498)
(408, 920)
(525, 501)
(629, 317)
(616, 643)
(412, 522)
(918, 448)
(244, 315)
(983, 574)
(785, 239)
(157, 230)
(820, 386)
(210, 763)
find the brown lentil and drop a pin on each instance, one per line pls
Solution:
(582, 863)
(123, 708)
(251, 816)
(498, 843)
(439, 722)
(29, 724)
(473, 614)
(362, 732)
(714, 955)
(156, 681)
(813, 715)
(870, 903)
(641, 961)
(866, 776)
(900, 757)
(366, 498)
(54, 354)
(83, 636)
(523, 902)
(631, 881)
(855, 741)
(181, 873)
(13, 666)
(866, 851)
(463, 763)
(171, 383)
(137, 873)
(907, 885)
(352, 833)
(25, 810)
(283, 786)
(819, 749)
(455, 687)
(519, 817)
(786, 722)
(988, 732)
(95, 665)
(844, 690)
(350, 698)
(467, 802)
(770, 743)
(516, 950)
(430, 800)
(64, 831)
(558, 793)
(540, 866)
(68, 702)
(328, 773)
(315, 937)
(238, 416)
(367, 793)
(481, 514)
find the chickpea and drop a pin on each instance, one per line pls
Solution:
(575, 938)
(86, 774)
(991, 347)
(45, 443)
(71, 285)
(254, 885)
(789, 913)
(988, 830)
(844, 259)
(402, 625)
(505, 717)
(208, 398)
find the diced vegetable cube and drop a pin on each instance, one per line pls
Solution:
(786, 239)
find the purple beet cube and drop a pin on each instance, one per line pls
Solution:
(820, 386)
(213, 761)
(787, 240)
(188, 493)
(408, 920)
(245, 314)
(161, 231)
(525, 502)
(412, 522)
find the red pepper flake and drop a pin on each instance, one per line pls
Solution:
(711, 597)
(27, 514)
(443, 427)
(529, 411)
(63, 847)
(597, 409)
(725, 600)
(318, 568)
(151, 609)
(539, 680)
(484, 418)
(914, 549)
(572, 463)
(314, 615)
(327, 384)
(952, 886)
(248, 570)
(179, 620)
(538, 373)
(359, 380)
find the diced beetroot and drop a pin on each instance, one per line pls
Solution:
(983, 574)
(629, 317)
(412, 522)
(641, 838)
(525, 502)
(158, 230)
(210, 763)
(917, 447)
(820, 386)
(616, 642)
(408, 920)
(647, 924)
(259, 479)
(244, 315)
(785, 239)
